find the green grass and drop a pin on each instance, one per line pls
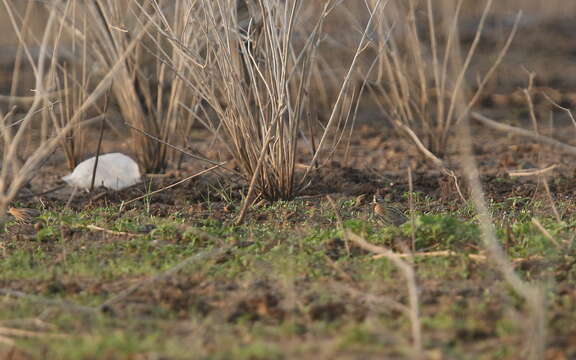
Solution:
(279, 292)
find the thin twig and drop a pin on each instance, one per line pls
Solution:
(551, 200)
(410, 276)
(566, 110)
(340, 222)
(248, 200)
(531, 172)
(112, 232)
(544, 232)
(4, 331)
(450, 253)
(451, 174)
(524, 133)
(171, 185)
(99, 146)
(345, 85)
(437, 161)
(71, 197)
(217, 164)
(533, 295)
(412, 211)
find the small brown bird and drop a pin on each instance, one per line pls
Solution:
(24, 215)
(388, 214)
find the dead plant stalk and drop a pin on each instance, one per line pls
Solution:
(533, 295)
(409, 274)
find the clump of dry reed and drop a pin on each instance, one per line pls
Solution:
(28, 140)
(255, 81)
(145, 87)
(421, 69)
(260, 93)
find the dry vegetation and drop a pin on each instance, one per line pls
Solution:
(273, 96)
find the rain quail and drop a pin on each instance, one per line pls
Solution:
(388, 214)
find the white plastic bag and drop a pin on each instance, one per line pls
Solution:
(115, 171)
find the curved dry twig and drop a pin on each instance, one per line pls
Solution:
(493, 124)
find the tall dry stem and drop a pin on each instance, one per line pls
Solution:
(534, 295)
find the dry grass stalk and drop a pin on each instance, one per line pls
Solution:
(11, 332)
(14, 172)
(545, 232)
(413, 310)
(533, 295)
(532, 172)
(171, 185)
(495, 125)
(449, 253)
(340, 222)
(72, 84)
(339, 109)
(112, 232)
(550, 198)
(558, 106)
(410, 276)
(412, 209)
(19, 56)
